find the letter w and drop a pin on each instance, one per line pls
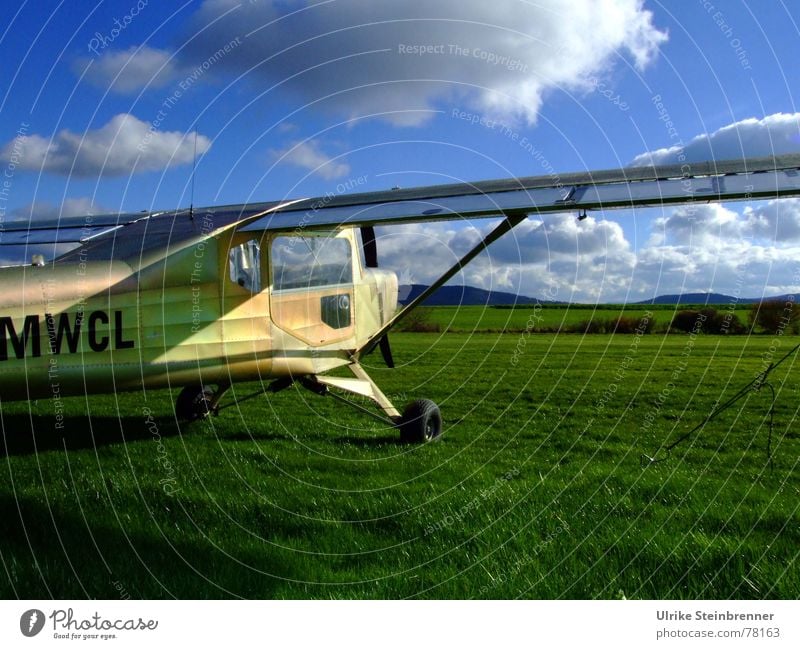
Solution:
(57, 335)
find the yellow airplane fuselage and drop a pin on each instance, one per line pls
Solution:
(182, 316)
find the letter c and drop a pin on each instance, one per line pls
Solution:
(102, 344)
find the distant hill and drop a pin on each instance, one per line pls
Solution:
(464, 296)
(473, 296)
(694, 298)
(710, 298)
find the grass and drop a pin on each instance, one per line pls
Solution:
(535, 491)
(544, 317)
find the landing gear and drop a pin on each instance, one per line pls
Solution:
(421, 422)
(198, 402)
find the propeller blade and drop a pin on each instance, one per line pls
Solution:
(386, 351)
(369, 245)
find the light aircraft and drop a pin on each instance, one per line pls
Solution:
(284, 292)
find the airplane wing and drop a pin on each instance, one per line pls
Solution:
(53, 237)
(761, 178)
(127, 235)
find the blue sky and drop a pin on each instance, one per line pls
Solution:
(100, 108)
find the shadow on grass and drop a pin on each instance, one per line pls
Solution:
(78, 553)
(369, 442)
(364, 442)
(24, 434)
(258, 437)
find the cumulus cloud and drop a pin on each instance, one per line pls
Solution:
(561, 236)
(43, 210)
(400, 60)
(131, 70)
(308, 155)
(21, 253)
(752, 253)
(775, 220)
(773, 135)
(746, 252)
(772, 223)
(555, 256)
(738, 268)
(123, 146)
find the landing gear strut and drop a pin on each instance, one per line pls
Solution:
(420, 422)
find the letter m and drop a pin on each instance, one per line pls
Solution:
(30, 331)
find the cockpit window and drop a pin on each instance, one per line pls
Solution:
(310, 261)
(244, 262)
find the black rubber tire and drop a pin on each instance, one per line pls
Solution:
(421, 422)
(194, 402)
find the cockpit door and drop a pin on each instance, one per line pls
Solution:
(311, 278)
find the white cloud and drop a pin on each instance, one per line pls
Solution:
(558, 256)
(131, 70)
(775, 220)
(43, 210)
(773, 135)
(561, 236)
(772, 223)
(123, 146)
(361, 57)
(307, 155)
(752, 253)
(748, 254)
(19, 254)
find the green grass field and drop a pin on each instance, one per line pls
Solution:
(535, 490)
(551, 318)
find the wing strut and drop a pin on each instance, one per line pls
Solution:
(510, 221)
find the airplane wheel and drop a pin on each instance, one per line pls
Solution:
(194, 402)
(421, 422)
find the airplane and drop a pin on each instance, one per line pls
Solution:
(280, 292)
